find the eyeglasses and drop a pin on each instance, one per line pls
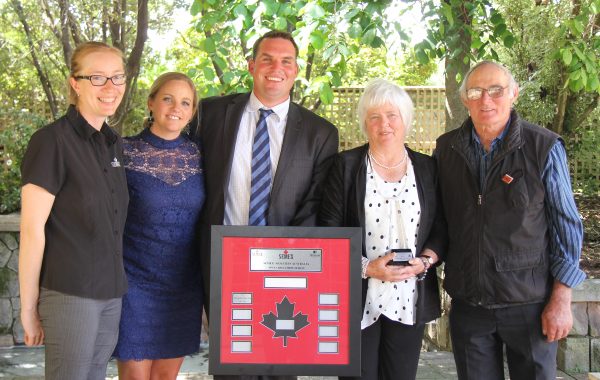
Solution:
(476, 93)
(100, 80)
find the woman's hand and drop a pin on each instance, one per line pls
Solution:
(379, 269)
(34, 333)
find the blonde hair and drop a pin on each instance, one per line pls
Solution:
(83, 50)
(164, 79)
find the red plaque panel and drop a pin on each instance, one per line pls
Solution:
(287, 301)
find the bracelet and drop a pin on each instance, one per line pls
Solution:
(365, 264)
(426, 262)
(427, 265)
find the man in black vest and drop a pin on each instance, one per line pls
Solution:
(514, 234)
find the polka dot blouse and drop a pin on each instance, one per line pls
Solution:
(392, 216)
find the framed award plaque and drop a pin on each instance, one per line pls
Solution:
(285, 301)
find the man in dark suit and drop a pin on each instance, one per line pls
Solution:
(300, 143)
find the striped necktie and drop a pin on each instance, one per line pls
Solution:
(261, 172)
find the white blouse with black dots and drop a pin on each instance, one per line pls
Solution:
(390, 206)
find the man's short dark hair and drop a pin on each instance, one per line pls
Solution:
(274, 34)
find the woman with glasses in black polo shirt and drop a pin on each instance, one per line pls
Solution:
(74, 204)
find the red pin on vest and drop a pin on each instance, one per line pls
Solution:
(507, 179)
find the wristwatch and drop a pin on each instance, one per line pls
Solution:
(428, 258)
(427, 261)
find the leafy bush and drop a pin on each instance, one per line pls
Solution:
(16, 127)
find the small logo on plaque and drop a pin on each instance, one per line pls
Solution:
(285, 324)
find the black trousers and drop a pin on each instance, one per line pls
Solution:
(480, 335)
(390, 351)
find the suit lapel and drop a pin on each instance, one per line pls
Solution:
(231, 125)
(420, 173)
(360, 183)
(290, 138)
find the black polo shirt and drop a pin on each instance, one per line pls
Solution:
(82, 167)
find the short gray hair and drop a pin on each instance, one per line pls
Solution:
(512, 83)
(380, 92)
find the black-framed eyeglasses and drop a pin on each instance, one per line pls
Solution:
(100, 80)
(476, 93)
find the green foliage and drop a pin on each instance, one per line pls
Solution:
(579, 49)
(453, 23)
(400, 67)
(25, 85)
(14, 137)
(557, 67)
(329, 33)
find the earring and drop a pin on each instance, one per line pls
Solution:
(150, 118)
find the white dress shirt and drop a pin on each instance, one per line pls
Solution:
(237, 196)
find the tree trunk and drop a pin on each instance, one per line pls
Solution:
(64, 33)
(573, 121)
(133, 65)
(456, 113)
(561, 106)
(455, 65)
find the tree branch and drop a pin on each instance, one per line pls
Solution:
(245, 51)
(52, 22)
(74, 27)
(188, 43)
(558, 121)
(114, 25)
(216, 67)
(309, 65)
(64, 33)
(47, 86)
(582, 116)
(133, 63)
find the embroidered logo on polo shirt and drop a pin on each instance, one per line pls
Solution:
(115, 163)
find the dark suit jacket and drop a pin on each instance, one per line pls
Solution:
(309, 145)
(344, 206)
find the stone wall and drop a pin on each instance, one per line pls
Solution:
(11, 331)
(578, 352)
(437, 334)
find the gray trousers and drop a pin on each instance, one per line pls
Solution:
(80, 334)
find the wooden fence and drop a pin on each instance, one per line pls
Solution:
(429, 120)
(429, 123)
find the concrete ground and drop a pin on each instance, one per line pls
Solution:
(28, 363)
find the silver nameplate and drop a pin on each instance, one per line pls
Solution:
(286, 260)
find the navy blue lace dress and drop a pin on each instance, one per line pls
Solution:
(162, 310)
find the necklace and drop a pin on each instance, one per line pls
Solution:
(372, 157)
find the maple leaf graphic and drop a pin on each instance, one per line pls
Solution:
(285, 324)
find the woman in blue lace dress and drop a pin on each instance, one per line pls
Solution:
(161, 317)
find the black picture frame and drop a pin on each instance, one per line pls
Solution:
(354, 309)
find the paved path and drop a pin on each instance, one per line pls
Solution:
(27, 363)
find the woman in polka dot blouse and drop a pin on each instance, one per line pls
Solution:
(390, 191)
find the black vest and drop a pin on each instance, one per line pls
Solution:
(498, 252)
